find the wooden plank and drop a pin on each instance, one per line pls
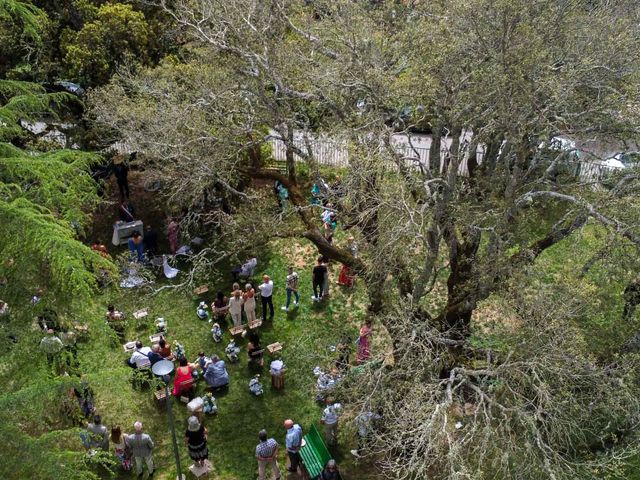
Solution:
(201, 289)
(255, 324)
(237, 330)
(155, 338)
(141, 313)
(274, 347)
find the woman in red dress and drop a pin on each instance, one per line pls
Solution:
(183, 374)
(347, 276)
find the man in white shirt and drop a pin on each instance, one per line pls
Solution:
(140, 356)
(266, 293)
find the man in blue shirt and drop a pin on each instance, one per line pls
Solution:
(293, 442)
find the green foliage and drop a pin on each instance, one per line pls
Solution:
(27, 101)
(44, 203)
(117, 34)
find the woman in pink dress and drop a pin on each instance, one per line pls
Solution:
(172, 232)
(364, 353)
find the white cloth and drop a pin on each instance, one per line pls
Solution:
(266, 289)
(169, 271)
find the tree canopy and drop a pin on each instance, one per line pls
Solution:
(438, 239)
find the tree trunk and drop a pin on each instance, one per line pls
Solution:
(291, 161)
(461, 285)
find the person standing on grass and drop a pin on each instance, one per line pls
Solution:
(220, 307)
(249, 303)
(330, 471)
(266, 453)
(121, 171)
(196, 437)
(118, 439)
(173, 232)
(235, 307)
(98, 434)
(330, 421)
(347, 276)
(293, 442)
(318, 279)
(141, 447)
(325, 283)
(266, 293)
(364, 349)
(292, 289)
(150, 241)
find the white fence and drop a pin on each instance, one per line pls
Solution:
(331, 152)
(415, 148)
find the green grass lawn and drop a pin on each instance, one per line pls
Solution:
(307, 332)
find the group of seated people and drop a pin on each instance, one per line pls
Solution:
(144, 357)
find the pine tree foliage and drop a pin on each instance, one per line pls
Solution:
(28, 15)
(27, 101)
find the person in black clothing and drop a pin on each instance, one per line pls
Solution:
(319, 272)
(330, 471)
(254, 350)
(121, 171)
(150, 241)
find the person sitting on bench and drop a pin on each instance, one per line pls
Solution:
(140, 356)
(155, 356)
(216, 374)
(165, 349)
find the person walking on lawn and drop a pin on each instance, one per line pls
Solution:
(266, 293)
(266, 453)
(293, 441)
(292, 289)
(319, 272)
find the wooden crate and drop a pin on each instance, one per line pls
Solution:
(201, 289)
(256, 324)
(274, 347)
(141, 313)
(237, 330)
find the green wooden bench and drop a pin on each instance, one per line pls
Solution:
(314, 453)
